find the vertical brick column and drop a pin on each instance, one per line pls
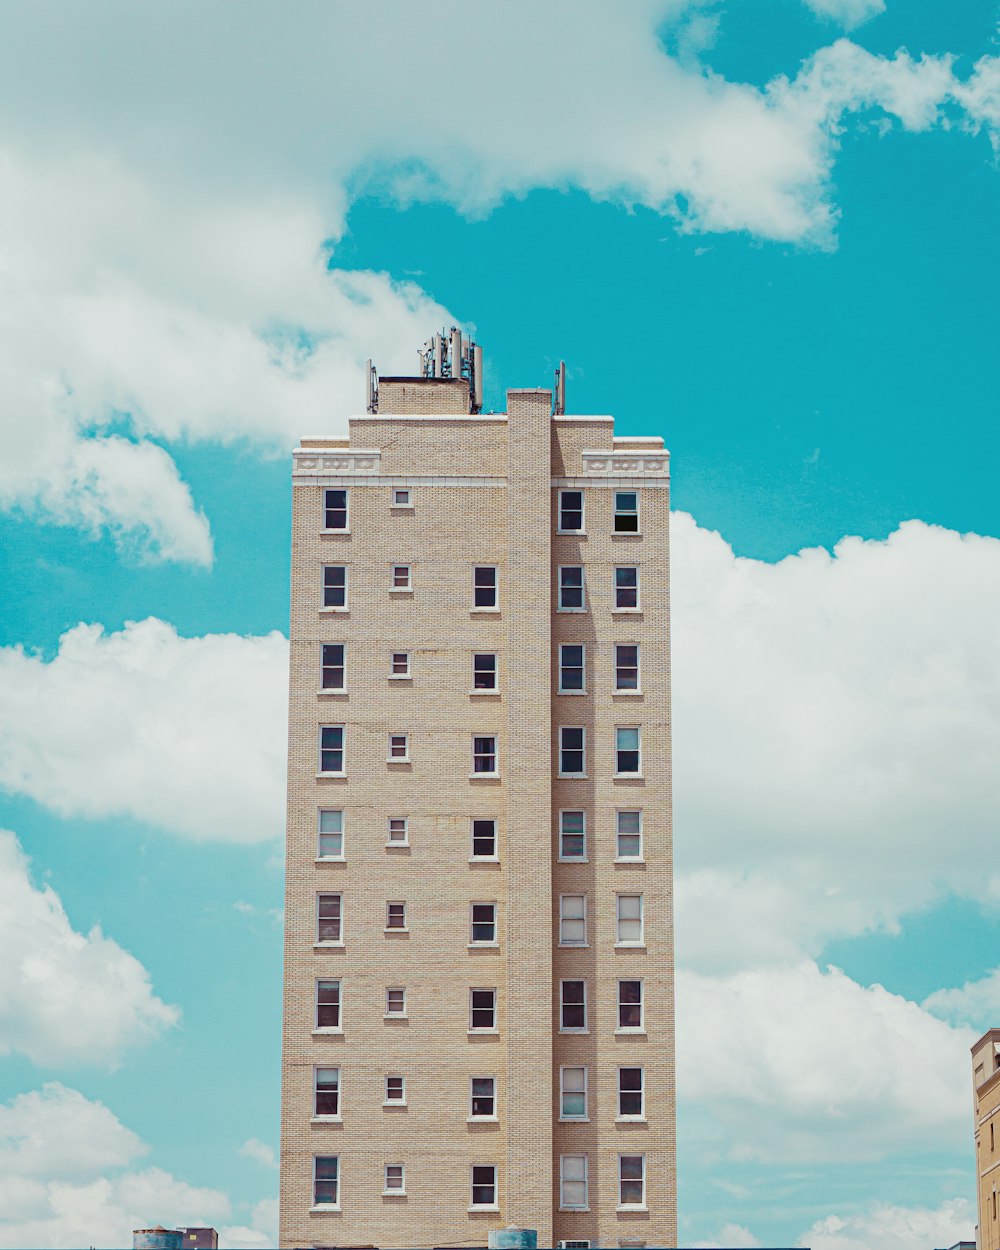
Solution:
(529, 1182)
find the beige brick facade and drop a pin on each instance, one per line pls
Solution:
(986, 1102)
(484, 492)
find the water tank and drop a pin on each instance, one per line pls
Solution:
(513, 1238)
(158, 1238)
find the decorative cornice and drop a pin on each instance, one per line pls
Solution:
(319, 463)
(626, 464)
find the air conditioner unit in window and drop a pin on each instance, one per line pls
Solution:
(574, 1245)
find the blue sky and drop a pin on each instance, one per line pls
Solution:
(763, 229)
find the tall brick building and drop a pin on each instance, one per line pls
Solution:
(478, 1023)
(986, 1102)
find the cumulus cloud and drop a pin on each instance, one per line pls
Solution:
(259, 1151)
(976, 1003)
(65, 997)
(903, 1228)
(849, 13)
(184, 733)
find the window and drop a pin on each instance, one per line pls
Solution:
(573, 1182)
(484, 587)
(629, 920)
(399, 749)
(332, 672)
(484, 672)
(484, 1185)
(331, 834)
(400, 665)
(626, 512)
(627, 666)
(328, 1004)
(483, 1009)
(484, 756)
(484, 923)
(395, 1090)
(572, 920)
(395, 915)
(331, 749)
(571, 590)
(335, 510)
(630, 1005)
(328, 918)
(483, 1098)
(631, 1180)
(628, 833)
(573, 1006)
(627, 756)
(335, 586)
(326, 1168)
(401, 577)
(571, 668)
(399, 831)
(327, 1099)
(572, 1093)
(570, 511)
(401, 497)
(395, 1002)
(627, 587)
(630, 1093)
(572, 751)
(484, 839)
(394, 1179)
(573, 835)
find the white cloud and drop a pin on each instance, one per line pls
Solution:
(261, 1232)
(184, 733)
(849, 13)
(259, 1151)
(729, 1235)
(903, 1228)
(65, 997)
(55, 1131)
(815, 1067)
(976, 1003)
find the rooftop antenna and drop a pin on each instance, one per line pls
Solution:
(560, 398)
(371, 387)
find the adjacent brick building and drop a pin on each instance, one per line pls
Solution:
(986, 1102)
(478, 1023)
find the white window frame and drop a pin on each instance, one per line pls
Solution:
(639, 1028)
(335, 607)
(572, 859)
(583, 751)
(576, 1206)
(320, 942)
(495, 771)
(629, 859)
(405, 673)
(401, 1014)
(328, 1117)
(323, 666)
(495, 606)
(477, 942)
(472, 1117)
(337, 529)
(343, 751)
(396, 1191)
(484, 1206)
(396, 928)
(638, 771)
(494, 689)
(585, 1028)
(320, 832)
(569, 490)
(631, 1117)
(398, 759)
(631, 1206)
(638, 588)
(563, 919)
(561, 689)
(325, 1206)
(627, 512)
(619, 940)
(405, 839)
(560, 606)
(484, 859)
(394, 1102)
(328, 1028)
(637, 688)
(404, 587)
(482, 1028)
(398, 501)
(564, 1116)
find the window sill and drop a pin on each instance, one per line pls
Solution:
(329, 859)
(395, 1015)
(632, 1207)
(473, 1210)
(483, 946)
(626, 694)
(571, 946)
(340, 775)
(635, 860)
(484, 859)
(324, 946)
(630, 1119)
(618, 535)
(580, 1210)
(572, 859)
(327, 1032)
(396, 929)
(327, 1207)
(626, 611)
(401, 507)
(399, 759)
(393, 1193)
(482, 1119)
(571, 776)
(397, 846)
(627, 777)
(400, 590)
(630, 946)
(399, 677)
(484, 611)
(571, 609)
(326, 1119)
(573, 1119)
(345, 531)
(393, 1103)
(482, 1032)
(571, 692)
(484, 776)
(630, 1032)
(574, 1032)
(342, 690)
(334, 610)
(573, 533)
(478, 694)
